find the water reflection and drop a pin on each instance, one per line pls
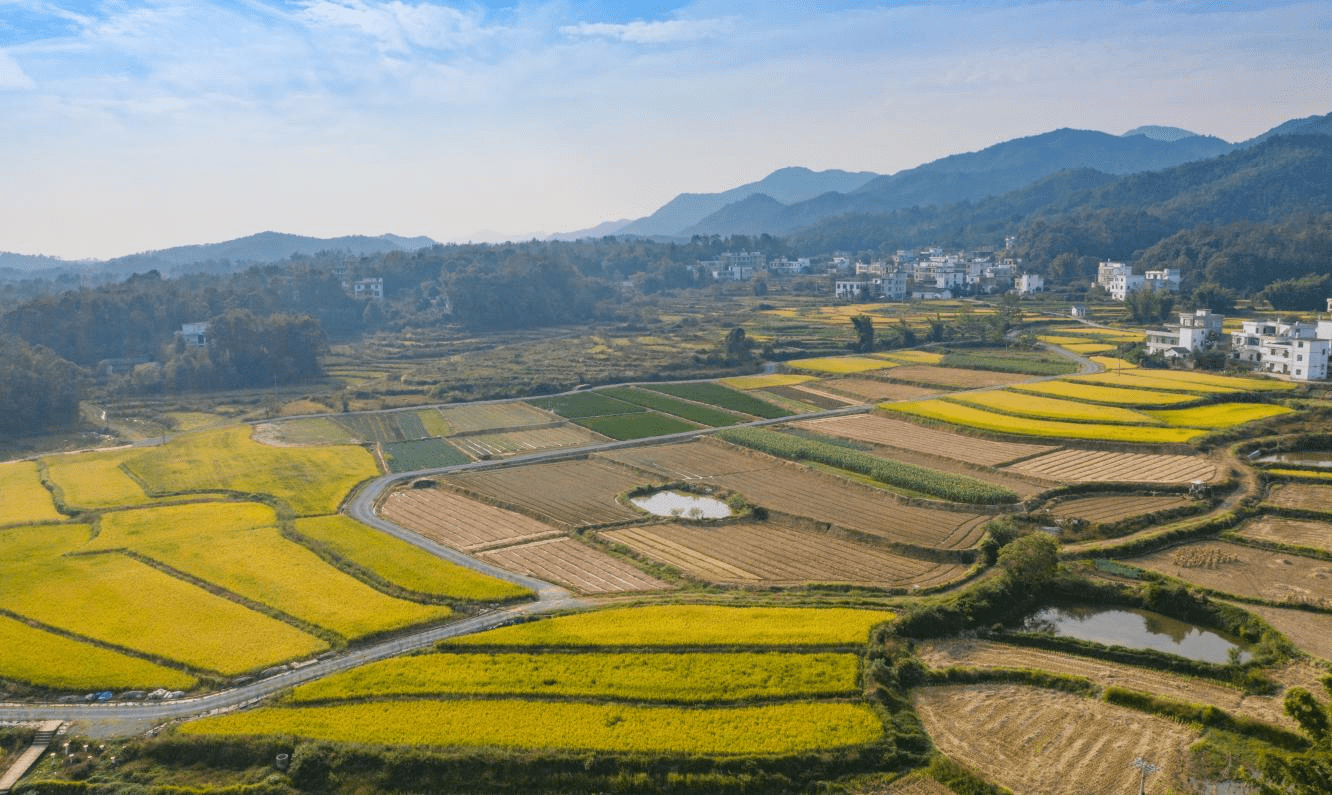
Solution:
(1135, 629)
(690, 506)
(1309, 458)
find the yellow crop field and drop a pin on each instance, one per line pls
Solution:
(242, 552)
(747, 382)
(513, 723)
(1299, 473)
(312, 480)
(958, 414)
(1088, 347)
(1055, 339)
(913, 357)
(664, 676)
(690, 625)
(1219, 415)
(434, 422)
(840, 365)
(1148, 379)
(95, 480)
(1228, 381)
(192, 420)
(403, 564)
(25, 499)
(121, 601)
(1052, 408)
(1095, 332)
(1118, 396)
(49, 660)
(1112, 363)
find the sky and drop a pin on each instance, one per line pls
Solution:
(135, 125)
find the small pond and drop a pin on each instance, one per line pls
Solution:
(689, 506)
(1308, 458)
(1135, 629)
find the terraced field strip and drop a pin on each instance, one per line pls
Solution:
(492, 416)
(771, 553)
(970, 653)
(1080, 466)
(694, 460)
(748, 382)
(810, 400)
(877, 429)
(967, 416)
(1301, 496)
(570, 493)
(689, 626)
(417, 454)
(912, 357)
(673, 677)
(1246, 571)
(1149, 379)
(1193, 377)
(715, 394)
(839, 365)
(1311, 632)
(762, 730)
(1032, 740)
(1026, 405)
(575, 564)
(460, 522)
(304, 431)
(874, 391)
(1115, 508)
(581, 405)
(1309, 533)
(25, 499)
(1088, 347)
(955, 376)
(1113, 395)
(685, 409)
(1219, 415)
(822, 398)
(393, 426)
(95, 479)
(636, 426)
(525, 441)
(46, 659)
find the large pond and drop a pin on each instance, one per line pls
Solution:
(1309, 458)
(1135, 629)
(690, 506)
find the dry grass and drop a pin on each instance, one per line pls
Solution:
(1246, 571)
(1301, 496)
(1294, 532)
(1113, 509)
(889, 432)
(1095, 465)
(459, 522)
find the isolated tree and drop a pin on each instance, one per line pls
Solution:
(1149, 306)
(738, 347)
(864, 325)
(1030, 560)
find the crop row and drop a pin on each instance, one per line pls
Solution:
(958, 414)
(704, 415)
(717, 395)
(958, 488)
(840, 365)
(636, 426)
(1112, 395)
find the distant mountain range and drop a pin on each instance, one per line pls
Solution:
(262, 248)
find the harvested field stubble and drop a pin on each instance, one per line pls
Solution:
(492, 416)
(1310, 533)
(1097, 465)
(526, 441)
(954, 376)
(1116, 508)
(1246, 572)
(876, 391)
(460, 522)
(1301, 496)
(1032, 740)
(890, 432)
(569, 493)
(1311, 632)
(575, 564)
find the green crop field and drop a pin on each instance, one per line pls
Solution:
(403, 564)
(718, 395)
(245, 554)
(312, 480)
(1219, 415)
(636, 426)
(314, 430)
(43, 658)
(767, 730)
(1006, 361)
(585, 404)
(703, 415)
(957, 414)
(1117, 396)
(395, 426)
(1025, 405)
(684, 677)
(959, 488)
(25, 499)
(421, 454)
(690, 625)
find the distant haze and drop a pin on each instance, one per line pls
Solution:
(148, 124)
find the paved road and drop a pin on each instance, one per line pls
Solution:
(550, 598)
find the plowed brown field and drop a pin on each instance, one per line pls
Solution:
(1304, 496)
(513, 442)
(773, 554)
(569, 493)
(988, 654)
(487, 416)
(876, 429)
(1113, 509)
(1086, 465)
(575, 564)
(1296, 532)
(1042, 741)
(459, 522)
(953, 376)
(693, 460)
(1246, 571)
(877, 391)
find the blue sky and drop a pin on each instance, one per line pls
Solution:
(131, 125)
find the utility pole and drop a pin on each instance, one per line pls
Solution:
(1145, 767)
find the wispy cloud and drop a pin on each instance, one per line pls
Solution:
(12, 77)
(667, 31)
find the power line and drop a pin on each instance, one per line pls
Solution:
(1145, 767)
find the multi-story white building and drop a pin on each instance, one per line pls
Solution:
(1297, 350)
(1196, 331)
(1029, 283)
(1120, 280)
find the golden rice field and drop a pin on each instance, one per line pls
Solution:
(747, 382)
(1025, 405)
(24, 499)
(1082, 331)
(1112, 363)
(1228, 381)
(49, 660)
(1055, 339)
(980, 419)
(1219, 415)
(690, 625)
(243, 553)
(1088, 347)
(1308, 474)
(1112, 395)
(686, 677)
(912, 357)
(840, 365)
(312, 480)
(722, 731)
(126, 603)
(402, 564)
(95, 479)
(1146, 379)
